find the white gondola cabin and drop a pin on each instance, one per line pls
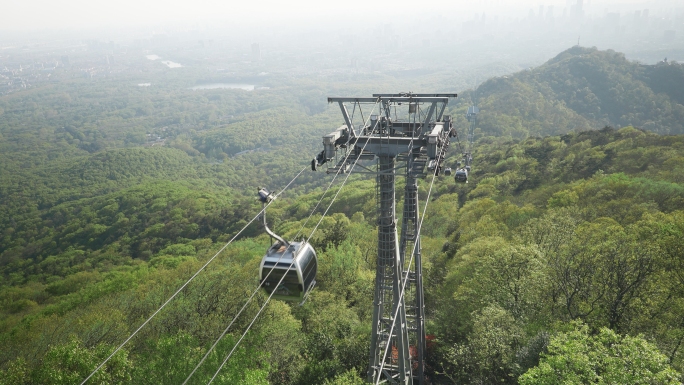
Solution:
(288, 270)
(461, 175)
(297, 261)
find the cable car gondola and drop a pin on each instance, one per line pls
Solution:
(461, 175)
(296, 261)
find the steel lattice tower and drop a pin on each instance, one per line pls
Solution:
(418, 144)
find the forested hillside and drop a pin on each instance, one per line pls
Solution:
(582, 228)
(566, 243)
(582, 89)
(586, 228)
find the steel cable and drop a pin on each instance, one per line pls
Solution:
(292, 263)
(187, 282)
(334, 177)
(253, 294)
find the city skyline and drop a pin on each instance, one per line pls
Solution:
(31, 15)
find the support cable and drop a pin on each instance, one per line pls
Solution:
(403, 286)
(336, 174)
(292, 263)
(233, 320)
(188, 281)
(260, 283)
(458, 140)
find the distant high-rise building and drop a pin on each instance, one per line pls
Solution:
(394, 42)
(669, 35)
(577, 10)
(256, 52)
(612, 21)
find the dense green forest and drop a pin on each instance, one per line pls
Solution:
(560, 262)
(582, 89)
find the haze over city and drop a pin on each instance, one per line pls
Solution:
(461, 42)
(74, 14)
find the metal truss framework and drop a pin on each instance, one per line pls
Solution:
(416, 143)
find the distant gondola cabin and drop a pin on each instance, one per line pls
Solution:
(297, 262)
(461, 175)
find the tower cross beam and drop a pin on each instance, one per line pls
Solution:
(390, 99)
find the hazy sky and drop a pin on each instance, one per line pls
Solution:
(74, 14)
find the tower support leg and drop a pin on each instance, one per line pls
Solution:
(387, 302)
(410, 243)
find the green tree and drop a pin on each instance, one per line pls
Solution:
(349, 377)
(71, 363)
(488, 356)
(577, 357)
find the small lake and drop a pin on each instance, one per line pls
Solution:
(171, 64)
(213, 86)
(152, 57)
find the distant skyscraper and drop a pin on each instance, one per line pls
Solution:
(669, 35)
(256, 52)
(577, 10)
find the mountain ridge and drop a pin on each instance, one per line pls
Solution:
(583, 88)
